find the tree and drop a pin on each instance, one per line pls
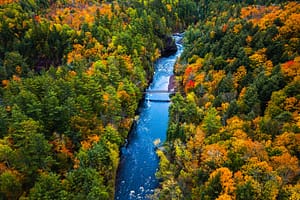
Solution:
(33, 152)
(213, 187)
(10, 185)
(86, 183)
(245, 191)
(48, 186)
(211, 121)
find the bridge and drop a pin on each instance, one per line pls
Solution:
(159, 91)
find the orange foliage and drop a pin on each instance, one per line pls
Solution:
(80, 13)
(91, 139)
(242, 94)
(190, 73)
(3, 167)
(249, 39)
(2, 2)
(265, 16)
(214, 153)
(5, 82)
(16, 78)
(256, 13)
(62, 145)
(226, 179)
(72, 73)
(76, 54)
(291, 104)
(224, 28)
(291, 68)
(286, 166)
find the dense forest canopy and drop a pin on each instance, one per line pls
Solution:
(72, 73)
(234, 129)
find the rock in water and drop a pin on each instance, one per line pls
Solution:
(169, 48)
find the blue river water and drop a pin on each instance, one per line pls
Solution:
(139, 162)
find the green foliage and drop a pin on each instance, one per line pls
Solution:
(72, 79)
(48, 186)
(239, 83)
(86, 183)
(213, 188)
(245, 191)
(10, 186)
(211, 121)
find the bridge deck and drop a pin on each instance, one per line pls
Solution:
(159, 91)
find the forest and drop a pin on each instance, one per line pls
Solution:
(72, 74)
(234, 129)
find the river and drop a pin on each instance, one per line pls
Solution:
(139, 162)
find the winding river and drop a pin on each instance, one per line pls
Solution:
(139, 162)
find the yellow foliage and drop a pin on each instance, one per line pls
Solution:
(169, 7)
(239, 75)
(217, 76)
(128, 62)
(291, 25)
(123, 95)
(72, 73)
(225, 197)
(259, 57)
(226, 179)
(248, 50)
(295, 192)
(237, 28)
(212, 34)
(240, 134)
(268, 67)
